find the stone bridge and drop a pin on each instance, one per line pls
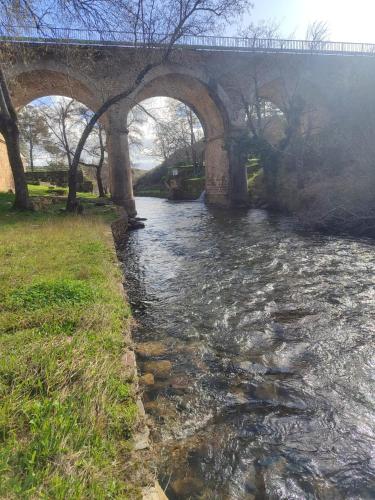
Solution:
(214, 81)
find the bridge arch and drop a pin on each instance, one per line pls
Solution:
(194, 90)
(190, 85)
(27, 86)
(287, 94)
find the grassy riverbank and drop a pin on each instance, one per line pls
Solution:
(66, 407)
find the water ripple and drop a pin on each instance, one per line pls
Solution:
(271, 336)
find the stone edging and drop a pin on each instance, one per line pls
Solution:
(141, 438)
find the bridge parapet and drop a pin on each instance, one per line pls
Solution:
(72, 36)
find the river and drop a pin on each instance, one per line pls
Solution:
(270, 332)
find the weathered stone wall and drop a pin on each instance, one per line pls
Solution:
(215, 84)
(6, 177)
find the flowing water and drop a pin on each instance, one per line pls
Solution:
(270, 335)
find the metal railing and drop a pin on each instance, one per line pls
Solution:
(28, 34)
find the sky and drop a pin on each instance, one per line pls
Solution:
(348, 21)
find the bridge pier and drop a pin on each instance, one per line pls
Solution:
(217, 179)
(239, 195)
(121, 187)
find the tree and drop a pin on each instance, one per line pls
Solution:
(177, 129)
(316, 33)
(99, 167)
(273, 117)
(136, 118)
(41, 15)
(175, 18)
(9, 129)
(96, 152)
(34, 131)
(263, 30)
(65, 119)
(190, 128)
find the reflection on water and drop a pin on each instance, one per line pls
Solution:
(261, 342)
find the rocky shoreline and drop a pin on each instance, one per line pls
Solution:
(142, 445)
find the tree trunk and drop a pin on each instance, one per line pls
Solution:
(100, 165)
(10, 131)
(22, 199)
(31, 155)
(71, 204)
(100, 182)
(192, 141)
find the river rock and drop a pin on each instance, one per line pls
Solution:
(237, 398)
(187, 487)
(160, 369)
(141, 439)
(129, 363)
(119, 228)
(150, 349)
(151, 405)
(267, 391)
(147, 379)
(154, 408)
(154, 493)
(253, 368)
(135, 224)
(181, 383)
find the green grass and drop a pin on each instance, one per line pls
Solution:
(45, 190)
(152, 192)
(67, 408)
(10, 217)
(251, 178)
(193, 187)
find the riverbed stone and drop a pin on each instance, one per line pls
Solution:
(141, 409)
(187, 486)
(267, 391)
(129, 363)
(154, 492)
(180, 383)
(150, 349)
(160, 369)
(119, 228)
(153, 408)
(134, 224)
(141, 439)
(147, 379)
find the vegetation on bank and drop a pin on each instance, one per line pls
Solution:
(160, 182)
(66, 407)
(153, 192)
(186, 188)
(152, 181)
